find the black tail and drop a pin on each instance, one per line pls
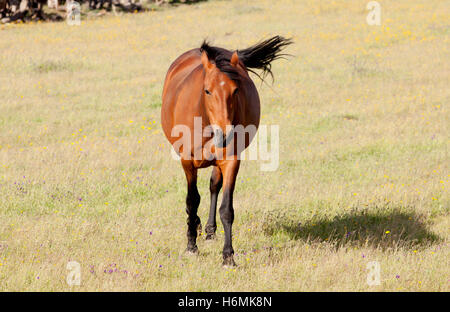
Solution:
(262, 54)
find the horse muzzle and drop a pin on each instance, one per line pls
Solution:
(221, 140)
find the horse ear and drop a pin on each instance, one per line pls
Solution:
(234, 59)
(205, 61)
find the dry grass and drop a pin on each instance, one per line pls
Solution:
(85, 172)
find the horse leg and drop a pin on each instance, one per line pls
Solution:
(215, 184)
(192, 203)
(229, 170)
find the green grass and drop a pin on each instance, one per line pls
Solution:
(86, 173)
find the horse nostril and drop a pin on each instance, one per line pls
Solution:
(218, 138)
(222, 138)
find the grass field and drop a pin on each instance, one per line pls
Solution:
(86, 173)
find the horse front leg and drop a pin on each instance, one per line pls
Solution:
(192, 203)
(229, 170)
(215, 184)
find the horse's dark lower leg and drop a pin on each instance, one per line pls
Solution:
(192, 203)
(229, 172)
(193, 221)
(227, 217)
(214, 186)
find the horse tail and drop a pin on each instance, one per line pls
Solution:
(260, 55)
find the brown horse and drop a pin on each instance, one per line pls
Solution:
(212, 85)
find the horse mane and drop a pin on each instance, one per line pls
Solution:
(221, 57)
(258, 56)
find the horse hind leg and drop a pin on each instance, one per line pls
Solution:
(192, 203)
(215, 185)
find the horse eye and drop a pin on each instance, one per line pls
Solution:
(207, 92)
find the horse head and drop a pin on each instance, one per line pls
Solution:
(221, 96)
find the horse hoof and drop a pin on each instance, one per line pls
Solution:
(229, 263)
(210, 231)
(192, 251)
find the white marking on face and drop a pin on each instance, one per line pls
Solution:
(222, 83)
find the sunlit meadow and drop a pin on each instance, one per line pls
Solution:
(86, 173)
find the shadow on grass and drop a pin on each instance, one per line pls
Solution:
(181, 2)
(379, 228)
